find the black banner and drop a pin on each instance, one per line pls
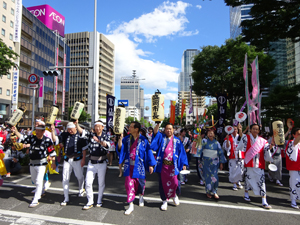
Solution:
(110, 108)
(222, 106)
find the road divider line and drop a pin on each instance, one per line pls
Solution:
(181, 201)
(52, 219)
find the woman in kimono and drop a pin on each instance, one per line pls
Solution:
(212, 159)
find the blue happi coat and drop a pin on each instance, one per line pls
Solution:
(143, 157)
(159, 143)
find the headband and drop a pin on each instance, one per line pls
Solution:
(40, 128)
(70, 125)
(40, 121)
(98, 123)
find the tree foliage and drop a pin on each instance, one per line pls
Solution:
(220, 70)
(282, 103)
(84, 117)
(271, 20)
(6, 58)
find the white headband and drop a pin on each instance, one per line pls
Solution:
(70, 125)
(40, 128)
(40, 121)
(98, 123)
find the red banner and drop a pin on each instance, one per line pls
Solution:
(183, 103)
(172, 112)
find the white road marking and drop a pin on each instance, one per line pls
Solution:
(295, 212)
(26, 217)
(23, 178)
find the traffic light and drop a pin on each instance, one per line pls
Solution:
(52, 72)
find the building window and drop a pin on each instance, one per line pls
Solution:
(0, 91)
(3, 32)
(10, 47)
(4, 18)
(8, 76)
(12, 11)
(4, 5)
(10, 36)
(8, 92)
(11, 24)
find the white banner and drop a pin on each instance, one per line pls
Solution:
(64, 85)
(18, 21)
(15, 84)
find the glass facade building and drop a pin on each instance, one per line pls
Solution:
(37, 53)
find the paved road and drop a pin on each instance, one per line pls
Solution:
(195, 208)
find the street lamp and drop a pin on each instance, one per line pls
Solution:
(135, 78)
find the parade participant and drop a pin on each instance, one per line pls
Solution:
(257, 150)
(293, 165)
(2, 138)
(74, 157)
(112, 147)
(236, 159)
(2, 165)
(11, 159)
(125, 132)
(186, 144)
(41, 150)
(150, 134)
(213, 158)
(277, 161)
(171, 159)
(98, 147)
(199, 160)
(136, 152)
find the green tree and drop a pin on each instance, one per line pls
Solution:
(271, 20)
(220, 70)
(6, 58)
(129, 120)
(84, 117)
(282, 103)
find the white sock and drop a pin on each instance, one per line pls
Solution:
(234, 185)
(246, 194)
(293, 202)
(131, 205)
(264, 201)
(277, 182)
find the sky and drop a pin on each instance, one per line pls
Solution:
(149, 35)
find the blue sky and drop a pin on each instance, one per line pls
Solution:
(149, 35)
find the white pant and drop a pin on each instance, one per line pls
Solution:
(37, 177)
(67, 170)
(90, 176)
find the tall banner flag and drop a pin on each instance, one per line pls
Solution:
(197, 116)
(222, 106)
(41, 92)
(247, 96)
(191, 100)
(183, 103)
(172, 112)
(110, 108)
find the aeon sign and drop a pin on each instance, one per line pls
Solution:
(50, 17)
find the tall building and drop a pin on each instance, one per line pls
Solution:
(82, 80)
(133, 92)
(293, 63)
(40, 46)
(7, 14)
(185, 80)
(237, 15)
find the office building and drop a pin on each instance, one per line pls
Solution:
(133, 92)
(40, 46)
(7, 22)
(82, 80)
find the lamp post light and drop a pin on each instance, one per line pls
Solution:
(135, 78)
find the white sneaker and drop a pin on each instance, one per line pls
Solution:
(164, 206)
(47, 185)
(99, 205)
(176, 200)
(86, 207)
(141, 201)
(129, 210)
(64, 203)
(32, 205)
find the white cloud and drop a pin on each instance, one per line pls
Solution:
(128, 58)
(199, 6)
(167, 19)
